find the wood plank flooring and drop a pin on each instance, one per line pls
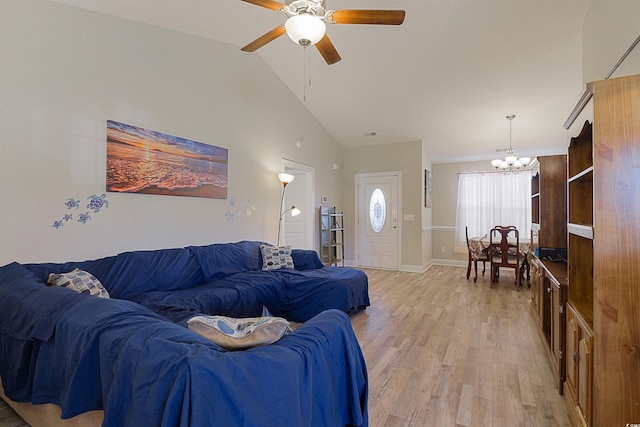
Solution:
(444, 351)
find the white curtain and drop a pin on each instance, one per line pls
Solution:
(489, 199)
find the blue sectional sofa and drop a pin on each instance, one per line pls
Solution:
(132, 356)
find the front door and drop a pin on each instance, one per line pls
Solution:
(377, 226)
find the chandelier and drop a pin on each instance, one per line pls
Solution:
(511, 162)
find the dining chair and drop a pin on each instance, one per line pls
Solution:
(504, 249)
(474, 257)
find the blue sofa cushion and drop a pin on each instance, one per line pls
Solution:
(99, 268)
(132, 273)
(135, 273)
(310, 292)
(216, 298)
(305, 259)
(224, 259)
(30, 308)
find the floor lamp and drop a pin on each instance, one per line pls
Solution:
(285, 178)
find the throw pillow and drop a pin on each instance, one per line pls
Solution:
(276, 257)
(80, 281)
(237, 334)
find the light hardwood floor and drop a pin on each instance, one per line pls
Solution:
(444, 351)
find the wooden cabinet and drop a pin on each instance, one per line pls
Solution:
(579, 368)
(579, 345)
(548, 305)
(331, 236)
(603, 372)
(549, 202)
(548, 280)
(554, 309)
(537, 274)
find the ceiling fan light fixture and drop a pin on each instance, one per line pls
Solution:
(305, 29)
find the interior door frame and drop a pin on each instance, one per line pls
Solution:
(358, 177)
(296, 168)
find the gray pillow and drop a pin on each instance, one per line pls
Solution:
(276, 257)
(237, 334)
(80, 281)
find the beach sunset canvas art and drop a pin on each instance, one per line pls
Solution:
(145, 161)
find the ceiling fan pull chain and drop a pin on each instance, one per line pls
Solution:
(304, 77)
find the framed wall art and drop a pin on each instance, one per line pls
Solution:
(427, 188)
(145, 161)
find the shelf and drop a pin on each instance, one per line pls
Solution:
(581, 198)
(580, 150)
(331, 236)
(581, 274)
(581, 174)
(585, 231)
(535, 184)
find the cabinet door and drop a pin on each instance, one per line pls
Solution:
(558, 331)
(573, 338)
(585, 362)
(579, 365)
(536, 276)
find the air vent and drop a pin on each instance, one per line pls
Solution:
(371, 134)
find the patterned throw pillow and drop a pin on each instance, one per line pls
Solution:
(80, 281)
(276, 257)
(238, 334)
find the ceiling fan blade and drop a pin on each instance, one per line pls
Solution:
(264, 39)
(269, 4)
(327, 50)
(379, 17)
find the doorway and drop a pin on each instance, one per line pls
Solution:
(378, 230)
(298, 230)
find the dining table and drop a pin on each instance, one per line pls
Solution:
(481, 244)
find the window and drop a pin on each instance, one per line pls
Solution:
(377, 210)
(489, 199)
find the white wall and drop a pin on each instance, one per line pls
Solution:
(427, 213)
(64, 71)
(405, 157)
(609, 30)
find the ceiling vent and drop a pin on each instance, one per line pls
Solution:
(371, 134)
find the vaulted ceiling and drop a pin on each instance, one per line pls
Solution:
(449, 75)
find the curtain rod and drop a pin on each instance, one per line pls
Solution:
(489, 171)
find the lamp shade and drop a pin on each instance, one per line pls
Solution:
(295, 211)
(286, 178)
(305, 29)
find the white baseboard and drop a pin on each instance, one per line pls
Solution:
(449, 262)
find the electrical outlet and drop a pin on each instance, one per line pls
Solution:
(442, 249)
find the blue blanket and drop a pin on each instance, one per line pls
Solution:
(142, 369)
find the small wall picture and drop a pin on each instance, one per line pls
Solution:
(427, 188)
(149, 162)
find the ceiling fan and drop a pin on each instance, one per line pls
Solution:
(305, 24)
